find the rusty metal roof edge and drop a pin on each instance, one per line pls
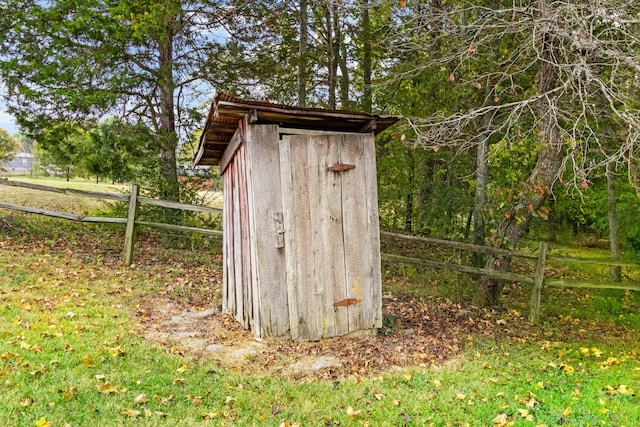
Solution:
(266, 106)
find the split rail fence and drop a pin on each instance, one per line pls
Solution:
(537, 281)
(131, 222)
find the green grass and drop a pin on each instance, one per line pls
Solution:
(71, 351)
(75, 183)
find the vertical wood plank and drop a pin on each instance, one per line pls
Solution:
(245, 250)
(373, 312)
(237, 247)
(357, 241)
(290, 238)
(538, 279)
(268, 265)
(332, 258)
(130, 230)
(227, 242)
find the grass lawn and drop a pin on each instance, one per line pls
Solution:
(72, 352)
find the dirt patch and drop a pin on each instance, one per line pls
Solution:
(420, 333)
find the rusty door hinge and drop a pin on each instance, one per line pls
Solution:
(339, 167)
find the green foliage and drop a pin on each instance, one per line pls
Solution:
(8, 146)
(120, 151)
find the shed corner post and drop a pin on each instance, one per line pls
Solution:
(130, 231)
(538, 279)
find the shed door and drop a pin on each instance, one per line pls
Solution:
(331, 234)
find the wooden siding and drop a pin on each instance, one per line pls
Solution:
(271, 311)
(254, 276)
(301, 239)
(332, 237)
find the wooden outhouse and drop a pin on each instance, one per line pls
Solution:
(301, 240)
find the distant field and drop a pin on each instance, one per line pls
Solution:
(76, 183)
(71, 203)
(55, 201)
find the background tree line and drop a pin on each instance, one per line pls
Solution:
(521, 115)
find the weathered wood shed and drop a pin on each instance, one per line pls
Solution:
(301, 240)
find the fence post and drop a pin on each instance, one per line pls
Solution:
(130, 231)
(538, 278)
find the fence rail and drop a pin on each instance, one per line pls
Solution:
(538, 280)
(132, 222)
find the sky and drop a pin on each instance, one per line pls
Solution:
(6, 122)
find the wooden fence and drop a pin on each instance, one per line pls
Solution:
(131, 221)
(537, 280)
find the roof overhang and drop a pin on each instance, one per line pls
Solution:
(227, 113)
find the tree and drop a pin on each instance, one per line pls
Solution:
(8, 146)
(140, 60)
(121, 152)
(559, 64)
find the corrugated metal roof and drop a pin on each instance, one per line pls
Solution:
(227, 113)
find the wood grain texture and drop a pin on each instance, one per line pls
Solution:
(268, 261)
(331, 254)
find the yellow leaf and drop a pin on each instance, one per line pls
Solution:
(407, 376)
(378, 396)
(69, 393)
(178, 380)
(133, 413)
(501, 420)
(42, 422)
(183, 368)
(576, 392)
(461, 396)
(623, 389)
(116, 351)
(140, 399)
(87, 360)
(209, 415)
(567, 412)
(523, 412)
(567, 368)
(596, 352)
(352, 413)
(539, 385)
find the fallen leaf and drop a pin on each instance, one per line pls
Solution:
(42, 422)
(501, 420)
(69, 393)
(352, 413)
(133, 413)
(140, 399)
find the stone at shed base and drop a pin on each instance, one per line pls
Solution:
(313, 364)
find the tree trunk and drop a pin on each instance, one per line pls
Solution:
(344, 76)
(302, 52)
(169, 188)
(367, 97)
(545, 173)
(331, 16)
(616, 272)
(482, 172)
(408, 213)
(634, 174)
